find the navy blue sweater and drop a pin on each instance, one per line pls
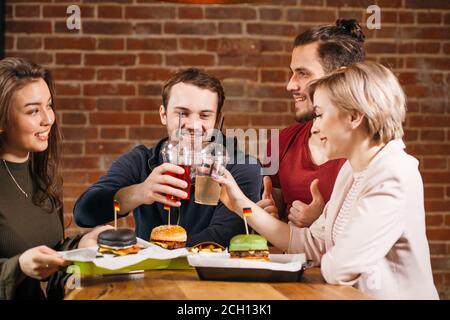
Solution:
(202, 222)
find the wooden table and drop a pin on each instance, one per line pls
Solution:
(185, 285)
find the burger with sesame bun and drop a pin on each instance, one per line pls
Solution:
(169, 236)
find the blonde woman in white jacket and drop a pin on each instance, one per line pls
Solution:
(371, 234)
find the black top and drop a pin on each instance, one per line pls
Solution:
(117, 238)
(202, 223)
(22, 226)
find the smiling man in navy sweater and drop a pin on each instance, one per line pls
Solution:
(137, 179)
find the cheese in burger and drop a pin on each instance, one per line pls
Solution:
(119, 242)
(169, 236)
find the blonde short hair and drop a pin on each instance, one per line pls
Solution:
(373, 90)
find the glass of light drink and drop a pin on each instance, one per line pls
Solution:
(211, 162)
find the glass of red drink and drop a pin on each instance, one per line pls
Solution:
(180, 154)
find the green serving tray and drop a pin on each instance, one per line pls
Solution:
(90, 269)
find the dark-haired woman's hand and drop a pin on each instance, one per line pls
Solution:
(90, 238)
(41, 262)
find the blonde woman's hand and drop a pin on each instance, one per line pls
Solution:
(231, 194)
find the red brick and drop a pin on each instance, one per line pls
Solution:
(27, 43)
(432, 121)
(100, 27)
(429, 149)
(9, 42)
(60, 11)
(111, 44)
(273, 120)
(268, 60)
(152, 119)
(35, 56)
(437, 248)
(234, 88)
(147, 74)
(109, 74)
(234, 73)
(74, 103)
(67, 89)
(182, 59)
(241, 106)
(274, 106)
(71, 177)
(432, 135)
(305, 15)
(102, 147)
(429, 17)
(109, 89)
(110, 104)
(148, 28)
(274, 76)
(74, 118)
(72, 148)
(96, 59)
(66, 43)
(200, 28)
(411, 135)
(434, 220)
(68, 58)
(26, 11)
(109, 11)
(429, 4)
(168, 44)
(67, 73)
(190, 13)
(283, 30)
(113, 133)
(434, 192)
(436, 177)
(28, 26)
(147, 12)
(438, 234)
(109, 118)
(139, 133)
(239, 13)
(150, 58)
(428, 63)
(268, 91)
(192, 43)
(79, 133)
(270, 14)
(434, 163)
(150, 90)
(237, 121)
(142, 104)
(381, 47)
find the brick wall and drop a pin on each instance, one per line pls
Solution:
(109, 76)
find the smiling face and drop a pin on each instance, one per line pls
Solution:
(197, 106)
(31, 117)
(305, 67)
(335, 128)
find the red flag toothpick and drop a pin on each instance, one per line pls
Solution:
(116, 210)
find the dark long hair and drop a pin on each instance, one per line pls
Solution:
(16, 73)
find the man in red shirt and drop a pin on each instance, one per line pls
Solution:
(305, 177)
